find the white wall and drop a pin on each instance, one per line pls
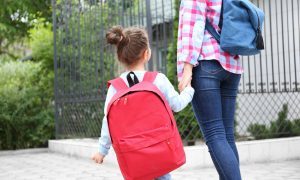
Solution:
(282, 41)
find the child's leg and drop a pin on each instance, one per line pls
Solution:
(164, 177)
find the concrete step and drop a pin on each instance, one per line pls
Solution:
(270, 150)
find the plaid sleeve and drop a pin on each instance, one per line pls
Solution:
(190, 32)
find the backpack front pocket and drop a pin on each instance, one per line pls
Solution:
(152, 153)
(144, 139)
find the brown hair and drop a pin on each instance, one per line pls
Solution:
(131, 43)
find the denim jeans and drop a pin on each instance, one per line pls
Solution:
(214, 106)
(164, 177)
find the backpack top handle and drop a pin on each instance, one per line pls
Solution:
(117, 83)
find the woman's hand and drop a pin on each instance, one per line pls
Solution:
(98, 158)
(186, 77)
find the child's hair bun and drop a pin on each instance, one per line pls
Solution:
(115, 35)
(131, 43)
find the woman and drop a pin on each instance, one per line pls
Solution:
(215, 76)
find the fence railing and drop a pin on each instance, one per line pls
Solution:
(83, 64)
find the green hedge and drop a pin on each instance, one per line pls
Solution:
(26, 113)
(26, 94)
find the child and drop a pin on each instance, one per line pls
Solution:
(133, 52)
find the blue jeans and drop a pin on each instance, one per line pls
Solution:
(214, 106)
(164, 177)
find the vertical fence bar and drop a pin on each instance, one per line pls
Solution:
(62, 69)
(298, 17)
(131, 14)
(288, 44)
(102, 73)
(142, 12)
(56, 115)
(298, 7)
(149, 29)
(110, 11)
(123, 16)
(165, 42)
(282, 36)
(249, 75)
(172, 21)
(261, 83)
(156, 30)
(96, 50)
(91, 54)
(271, 43)
(68, 48)
(63, 49)
(266, 56)
(294, 44)
(73, 51)
(277, 44)
(139, 14)
(78, 40)
(65, 69)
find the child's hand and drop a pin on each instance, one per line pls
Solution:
(98, 158)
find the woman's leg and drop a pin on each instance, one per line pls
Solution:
(207, 105)
(229, 88)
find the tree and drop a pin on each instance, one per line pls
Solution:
(17, 17)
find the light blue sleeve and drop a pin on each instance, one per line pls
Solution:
(104, 140)
(176, 101)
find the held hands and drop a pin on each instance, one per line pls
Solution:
(98, 158)
(186, 77)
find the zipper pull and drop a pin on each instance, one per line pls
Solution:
(259, 40)
(116, 101)
(125, 100)
(259, 37)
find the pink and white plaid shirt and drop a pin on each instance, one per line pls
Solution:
(195, 43)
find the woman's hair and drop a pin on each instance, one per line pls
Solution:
(131, 43)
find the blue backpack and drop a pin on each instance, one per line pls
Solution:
(241, 28)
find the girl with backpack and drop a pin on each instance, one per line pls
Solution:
(215, 75)
(133, 51)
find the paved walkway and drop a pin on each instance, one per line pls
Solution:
(42, 165)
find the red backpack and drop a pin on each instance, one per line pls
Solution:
(143, 130)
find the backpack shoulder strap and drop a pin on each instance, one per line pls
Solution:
(150, 76)
(221, 16)
(117, 83)
(212, 30)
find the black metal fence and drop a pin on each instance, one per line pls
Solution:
(83, 64)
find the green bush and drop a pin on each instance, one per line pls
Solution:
(259, 131)
(296, 127)
(281, 127)
(41, 43)
(26, 94)
(26, 113)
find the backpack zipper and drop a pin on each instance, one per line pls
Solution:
(125, 100)
(116, 101)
